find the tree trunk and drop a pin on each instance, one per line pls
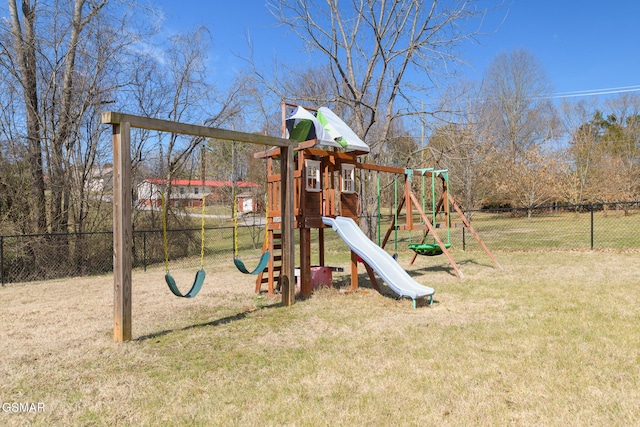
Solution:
(60, 174)
(25, 48)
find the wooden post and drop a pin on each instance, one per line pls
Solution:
(445, 200)
(305, 262)
(122, 232)
(354, 271)
(407, 191)
(372, 277)
(321, 248)
(288, 218)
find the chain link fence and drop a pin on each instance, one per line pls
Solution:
(604, 226)
(25, 258)
(601, 226)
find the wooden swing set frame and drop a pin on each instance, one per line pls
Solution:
(409, 202)
(122, 203)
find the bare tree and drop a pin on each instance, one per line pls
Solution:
(15, 179)
(622, 138)
(382, 57)
(581, 151)
(533, 182)
(61, 57)
(170, 81)
(60, 60)
(187, 92)
(462, 145)
(516, 89)
(378, 53)
(603, 151)
(19, 59)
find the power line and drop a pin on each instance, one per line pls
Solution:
(595, 92)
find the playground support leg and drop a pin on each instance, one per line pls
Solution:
(428, 299)
(474, 232)
(305, 262)
(354, 271)
(372, 277)
(435, 235)
(321, 246)
(288, 219)
(122, 233)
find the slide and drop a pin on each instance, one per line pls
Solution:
(391, 272)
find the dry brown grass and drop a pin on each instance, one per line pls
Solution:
(551, 340)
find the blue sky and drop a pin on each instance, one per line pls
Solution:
(583, 45)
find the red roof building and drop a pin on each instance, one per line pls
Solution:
(189, 192)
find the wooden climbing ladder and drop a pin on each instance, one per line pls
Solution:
(271, 274)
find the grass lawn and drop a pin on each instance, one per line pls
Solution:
(553, 339)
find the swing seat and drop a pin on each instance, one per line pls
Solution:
(428, 249)
(262, 264)
(195, 288)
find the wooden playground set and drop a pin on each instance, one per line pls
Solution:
(312, 184)
(325, 185)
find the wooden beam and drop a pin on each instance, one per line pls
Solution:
(474, 232)
(275, 151)
(288, 222)
(427, 221)
(110, 117)
(354, 271)
(326, 153)
(122, 232)
(372, 277)
(305, 262)
(350, 157)
(321, 247)
(379, 168)
(407, 192)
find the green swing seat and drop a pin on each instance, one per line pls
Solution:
(262, 264)
(264, 258)
(195, 288)
(428, 249)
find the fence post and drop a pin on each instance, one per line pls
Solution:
(144, 250)
(591, 206)
(2, 260)
(464, 243)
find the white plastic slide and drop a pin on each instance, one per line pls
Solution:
(391, 272)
